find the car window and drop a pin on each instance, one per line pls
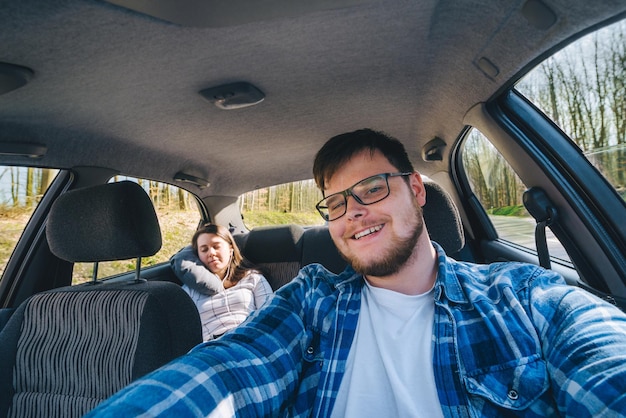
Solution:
(290, 203)
(21, 189)
(500, 191)
(582, 89)
(179, 217)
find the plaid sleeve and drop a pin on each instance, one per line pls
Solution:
(262, 291)
(584, 343)
(252, 371)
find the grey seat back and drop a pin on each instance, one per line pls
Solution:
(318, 247)
(64, 351)
(442, 219)
(276, 249)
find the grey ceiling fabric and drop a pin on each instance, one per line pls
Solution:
(112, 87)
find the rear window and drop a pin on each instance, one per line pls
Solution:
(290, 203)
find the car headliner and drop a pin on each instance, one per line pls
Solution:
(119, 89)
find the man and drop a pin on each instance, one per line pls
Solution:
(404, 331)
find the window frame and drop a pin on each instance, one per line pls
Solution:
(515, 241)
(18, 281)
(545, 157)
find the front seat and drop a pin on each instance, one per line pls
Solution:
(64, 351)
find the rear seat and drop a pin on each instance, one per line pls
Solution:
(282, 250)
(318, 247)
(275, 249)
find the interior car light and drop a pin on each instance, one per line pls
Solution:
(188, 178)
(24, 149)
(234, 95)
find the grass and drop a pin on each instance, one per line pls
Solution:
(12, 224)
(516, 210)
(255, 219)
(177, 227)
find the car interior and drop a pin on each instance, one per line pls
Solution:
(218, 100)
(137, 326)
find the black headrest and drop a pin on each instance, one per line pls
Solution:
(442, 219)
(114, 221)
(272, 244)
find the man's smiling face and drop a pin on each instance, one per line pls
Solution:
(377, 239)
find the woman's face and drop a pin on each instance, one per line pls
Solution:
(214, 252)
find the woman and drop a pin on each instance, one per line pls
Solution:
(228, 288)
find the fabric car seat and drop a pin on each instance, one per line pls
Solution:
(318, 247)
(64, 351)
(442, 219)
(277, 250)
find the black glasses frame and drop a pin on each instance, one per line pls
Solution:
(323, 209)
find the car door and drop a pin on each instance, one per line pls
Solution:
(565, 143)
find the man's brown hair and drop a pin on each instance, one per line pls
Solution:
(339, 149)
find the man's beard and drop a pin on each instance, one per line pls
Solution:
(400, 250)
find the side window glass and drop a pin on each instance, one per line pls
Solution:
(582, 89)
(290, 203)
(499, 190)
(21, 190)
(178, 215)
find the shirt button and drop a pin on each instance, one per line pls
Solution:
(310, 350)
(513, 395)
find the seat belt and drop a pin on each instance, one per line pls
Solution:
(541, 208)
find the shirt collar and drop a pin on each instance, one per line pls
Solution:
(447, 284)
(348, 275)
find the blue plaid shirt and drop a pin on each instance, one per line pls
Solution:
(509, 339)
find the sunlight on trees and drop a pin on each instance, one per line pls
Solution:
(583, 89)
(492, 178)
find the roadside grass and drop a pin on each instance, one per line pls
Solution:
(516, 210)
(255, 219)
(12, 224)
(176, 228)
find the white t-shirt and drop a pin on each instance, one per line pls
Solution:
(389, 370)
(230, 307)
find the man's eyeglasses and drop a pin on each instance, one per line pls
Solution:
(367, 191)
